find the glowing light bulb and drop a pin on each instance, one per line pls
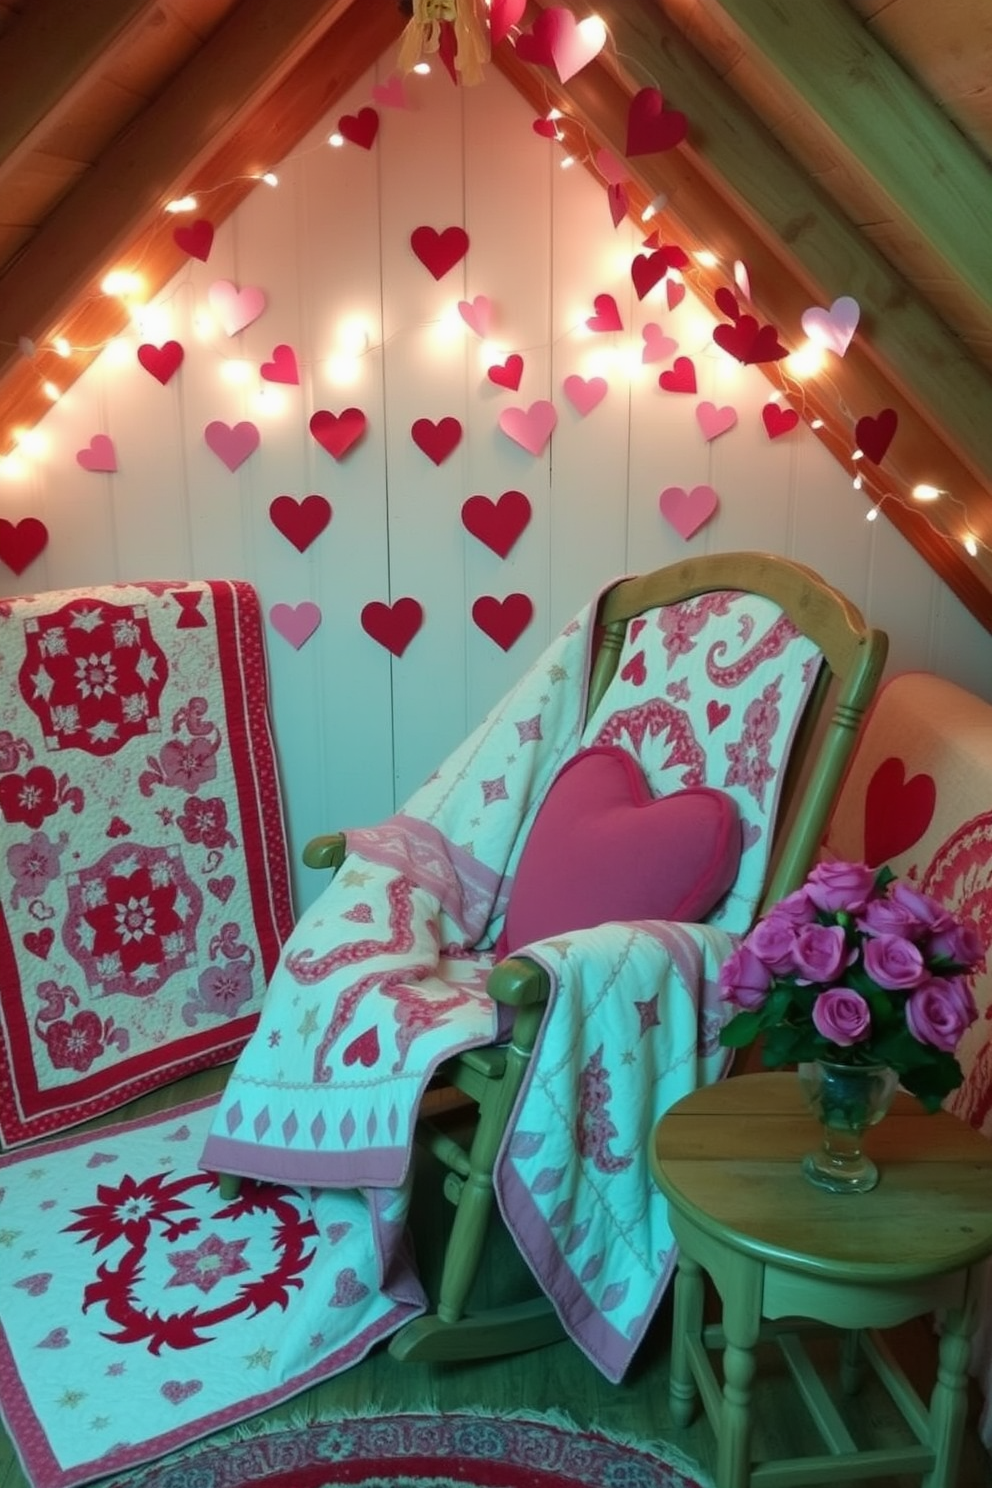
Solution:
(925, 492)
(236, 372)
(858, 482)
(706, 258)
(336, 140)
(182, 204)
(121, 284)
(270, 178)
(567, 162)
(806, 361)
(816, 423)
(31, 441)
(970, 545)
(62, 347)
(658, 204)
(12, 467)
(554, 114)
(353, 336)
(872, 516)
(857, 454)
(51, 392)
(422, 69)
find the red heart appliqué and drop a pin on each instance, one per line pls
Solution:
(161, 361)
(716, 713)
(361, 128)
(393, 626)
(21, 542)
(681, 378)
(118, 827)
(635, 670)
(439, 251)
(650, 126)
(897, 811)
(338, 432)
(509, 374)
(436, 440)
(874, 435)
(196, 239)
(39, 942)
(498, 524)
(777, 420)
(503, 620)
(221, 888)
(300, 521)
(364, 1049)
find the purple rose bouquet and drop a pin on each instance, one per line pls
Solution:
(857, 968)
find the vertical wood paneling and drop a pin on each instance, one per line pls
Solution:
(356, 729)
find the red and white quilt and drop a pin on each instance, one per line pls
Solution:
(144, 883)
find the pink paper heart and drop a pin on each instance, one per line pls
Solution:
(503, 16)
(437, 440)
(832, 329)
(507, 374)
(575, 43)
(477, 314)
(391, 93)
(584, 395)
(619, 203)
(283, 366)
(607, 316)
(674, 292)
(235, 308)
(176, 1391)
(742, 278)
(687, 511)
(232, 445)
(531, 427)
(612, 170)
(657, 346)
(715, 421)
(295, 623)
(99, 455)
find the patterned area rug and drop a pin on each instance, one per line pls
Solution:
(144, 886)
(139, 1311)
(425, 1451)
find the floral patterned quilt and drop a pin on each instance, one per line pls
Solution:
(144, 885)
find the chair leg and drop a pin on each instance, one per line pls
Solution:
(229, 1185)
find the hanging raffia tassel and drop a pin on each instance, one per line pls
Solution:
(423, 34)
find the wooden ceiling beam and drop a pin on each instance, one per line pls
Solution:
(206, 103)
(926, 168)
(48, 58)
(732, 150)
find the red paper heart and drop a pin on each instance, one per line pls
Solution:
(39, 942)
(509, 374)
(364, 1049)
(777, 420)
(498, 524)
(161, 361)
(503, 16)
(681, 378)
(361, 128)
(674, 292)
(647, 269)
(750, 342)
(196, 239)
(503, 620)
(21, 542)
(607, 317)
(338, 432)
(635, 670)
(874, 435)
(283, 366)
(301, 522)
(619, 201)
(652, 127)
(393, 626)
(546, 128)
(726, 303)
(439, 252)
(897, 811)
(436, 440)
(716, 713)
(537, 45)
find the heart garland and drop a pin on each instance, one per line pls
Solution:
(235, 308)
(507, 374)
(531, 427)
(874, 435)
(778, 420)
(607, 316)
(361, 128)
(295, 623)
(650, 126)
(282, 368)
(99, 455)
(232, 445)
(680, 378)
(161, 361)
(196, 238)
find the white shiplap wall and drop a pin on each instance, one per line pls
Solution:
(356, 729)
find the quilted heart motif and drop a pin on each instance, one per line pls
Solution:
(503, 620)
(750, 342)
(507, 374)
(584, 395)
(161, 361)
(674, 292)
(283, 366)
(21, 542)
(361, 128)
(295, 623)
(687, 511)
(716, 713)
(477, 314)
(39, 942)
(176, 1391)
(575, 43)
(680, 378)
(364, 1049)
(393, 626)
(301, 522)
(36, 1285)
(361, 914)
(437, 440)
(715, 421)
(536, 46)
(607, 316)
(499, 523)
(181, 1134)
(874, 435)
(348, 1289)
(337, 433)
(221, 888)
(235, 308)
(618, 202)
(897, 810)
(118, 827)
(657, 346)
(100, 1159)
(635, 670)
(58, 1338)
(503, 16)
(778, 420)
(531, 427)
(650, 126)
(232, 444)
(195, 238)
(832, 329)
(439, 251)
(99, 455)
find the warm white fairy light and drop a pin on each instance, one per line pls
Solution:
(422, 69)
(656, 205)
(857, 454)
(121, 284)
(567, 162)
(270, 178)
(268, 400)
(119, 350)
(872, 516)
(51, 391)
(13, 466)
(970, 544)
(926, 492)
(816, 423)
(335, 140)
(705, 258)
(858, 482)
(61, 347)
(153, 322)
(805, 361)
(554, 114)
(353, 336)
(182, 204)
(31, 441)
(236, 372)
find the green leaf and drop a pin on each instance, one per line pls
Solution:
(742, 1029)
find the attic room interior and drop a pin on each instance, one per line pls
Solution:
(353, 354)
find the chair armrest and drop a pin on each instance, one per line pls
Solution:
(518, 982)
(326, 852)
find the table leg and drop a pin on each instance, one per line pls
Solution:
(687, 1323)
(949, 1401)
(741, 1328)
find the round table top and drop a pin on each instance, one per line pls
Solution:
(728, 1157)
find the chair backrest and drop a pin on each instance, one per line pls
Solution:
(853, 656)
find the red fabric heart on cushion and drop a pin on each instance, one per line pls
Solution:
(603, 848)
(898, 810)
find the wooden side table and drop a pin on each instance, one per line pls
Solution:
(728, 1157)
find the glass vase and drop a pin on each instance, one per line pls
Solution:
(846, 1099)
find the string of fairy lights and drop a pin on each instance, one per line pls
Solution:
(790, 376)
